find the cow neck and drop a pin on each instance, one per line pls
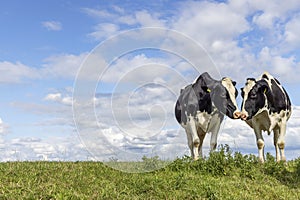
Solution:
(277, 97)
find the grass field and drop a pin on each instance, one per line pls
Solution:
(224, 175)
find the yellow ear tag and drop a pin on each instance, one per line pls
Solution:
(265, 90)
(208, 90)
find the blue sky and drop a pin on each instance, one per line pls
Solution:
(43, 45)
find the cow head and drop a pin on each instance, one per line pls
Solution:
(254, 98)
(223, 95)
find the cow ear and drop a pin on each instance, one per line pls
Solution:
(233, 83)
(264, 89)
(263, 86)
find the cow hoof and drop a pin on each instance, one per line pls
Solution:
(283, 158)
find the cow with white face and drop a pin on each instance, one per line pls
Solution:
(201, 107)
(266, 107)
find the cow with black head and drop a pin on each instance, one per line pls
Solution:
(201, 107)
(266, 106)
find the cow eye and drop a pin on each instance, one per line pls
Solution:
(223, 95)
(253, 96)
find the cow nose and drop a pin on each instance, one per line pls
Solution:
(243, 116)
(237, 115)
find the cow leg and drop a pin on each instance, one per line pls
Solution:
(195, 142)
(281, 140)
(190, 142)
(276, 136)
(214, 136)
(260, 144)
(201, 135)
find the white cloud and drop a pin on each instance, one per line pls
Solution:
(264, 20)
(292, 32)
(146, 19)
(129, 124)
(218, 27)
(16, 72)
(98, 13)
(126, 66)
(57, 66)
(57, 97)
(111, 22)
(118, 15)
(286, 68)
(62, 66)
(67, 66)
(32, 149)
(127, 19)
(207, 22)
(52, 25)
(53, 97)
(270, 12)
(104, 30)
(118, 9)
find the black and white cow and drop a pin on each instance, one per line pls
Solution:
(266, 107)
(201, 107)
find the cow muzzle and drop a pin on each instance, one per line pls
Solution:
(237, 114)
(244, 116)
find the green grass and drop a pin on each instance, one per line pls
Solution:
(224, 175)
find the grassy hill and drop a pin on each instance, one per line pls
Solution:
(224, 175)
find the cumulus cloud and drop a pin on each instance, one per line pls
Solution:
(53, 97)
(33, 149)
(16, 72)
(146, 19)
(128, 124)
(98, 13)
(60, 66)
(203, 20)
(52, 25)
(127, 69)
(216, 26)
(227, 35)
(292, 31)
(281, 66)
(140, 18)
(270, 13)
(57, 97)
(104, 30)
